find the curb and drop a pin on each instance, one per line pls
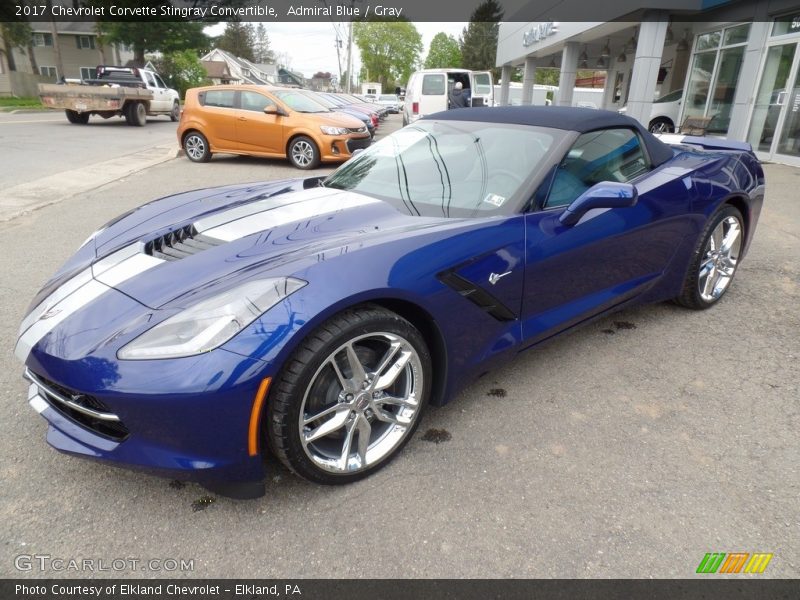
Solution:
(28, 197)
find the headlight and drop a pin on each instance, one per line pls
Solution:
(333, 130)
(210, 323)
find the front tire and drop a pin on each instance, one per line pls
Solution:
(196, 147)
(303, 153)
(77, 118)
(350, 397)
(714, 261)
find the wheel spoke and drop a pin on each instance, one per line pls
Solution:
(730, 239)
(410, 402)
(716, 237)
(356, 368)
(336, 422)
(364, 434)
(348, 443)
(324, 413)
(709, 281)
(346, 384)
(706, 267)
(387, 379)
(388, 417)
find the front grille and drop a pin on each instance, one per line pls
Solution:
(179, 244)
(81, 409)
(357, 130)
(360, 143)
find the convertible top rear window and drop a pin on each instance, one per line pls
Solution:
(449, 168)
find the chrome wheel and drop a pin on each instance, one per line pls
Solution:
(361, 403)
(660, 127)
(195, 147)
(720, 257)
(303, 153)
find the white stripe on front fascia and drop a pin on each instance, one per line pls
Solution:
(128, 268)
(217, 219)
(80, 291)
(57, 296)
(284, 215)
(58, 313)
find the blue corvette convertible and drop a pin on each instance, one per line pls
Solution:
(316, 318)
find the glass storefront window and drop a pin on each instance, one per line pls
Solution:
(708, 41)
(789, 140)
(714, 75)
(784, 25)
(771, 96)
(736, 35)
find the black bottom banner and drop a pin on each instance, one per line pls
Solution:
(399, 589)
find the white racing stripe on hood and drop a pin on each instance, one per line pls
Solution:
(80, 291)
(283, 215)
(253, 208)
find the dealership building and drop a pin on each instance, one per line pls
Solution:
(734, 69)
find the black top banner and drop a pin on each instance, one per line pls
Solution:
(379, 10)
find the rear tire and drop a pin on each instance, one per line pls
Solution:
(661, 125)
(196, 147)
(715, 260)
(136, 114)
(77, 118)
(175, 114)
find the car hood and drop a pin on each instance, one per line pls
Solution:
(334, 119)
(167, 253)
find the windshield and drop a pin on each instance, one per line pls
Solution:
(449, 168)
(299, 102)
(671, 97)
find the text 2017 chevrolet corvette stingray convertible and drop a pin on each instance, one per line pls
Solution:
(316, 318)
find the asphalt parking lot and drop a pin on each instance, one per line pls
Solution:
(627, 449)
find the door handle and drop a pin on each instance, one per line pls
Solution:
(243, 118)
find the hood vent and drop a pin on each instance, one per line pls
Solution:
(180, 243)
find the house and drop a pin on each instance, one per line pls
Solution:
(290, 78)
(71, 50)
(218, 72)
(239, 70)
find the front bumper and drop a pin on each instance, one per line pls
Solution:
(197, 434)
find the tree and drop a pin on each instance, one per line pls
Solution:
(479, 38)
(150, 36)
(15, 35)
(444, 52)
(389, 50)
(182, 70)
(238, 39)
(262, 52)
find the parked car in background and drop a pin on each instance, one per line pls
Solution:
(367, 109)
(390, 101)
(267, 121)
(381, 110)
(330, 105)
(664, 113)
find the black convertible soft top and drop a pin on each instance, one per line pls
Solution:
(559, 117)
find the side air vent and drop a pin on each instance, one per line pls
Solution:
(477, 295)
(180, 243)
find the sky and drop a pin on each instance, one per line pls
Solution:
(310, 47)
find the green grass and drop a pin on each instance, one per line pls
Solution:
(7, 104)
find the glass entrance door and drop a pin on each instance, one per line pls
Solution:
(775, 125)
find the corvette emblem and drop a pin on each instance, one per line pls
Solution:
(52, 312)
(494, 277)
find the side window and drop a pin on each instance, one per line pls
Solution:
(606, 155)
(433, 85)
(159, 82)
(255, 101)
(219, 98)
(148, 77)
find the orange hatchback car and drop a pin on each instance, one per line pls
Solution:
(266, 121)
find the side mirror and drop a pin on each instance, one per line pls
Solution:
(273, 110)
(607, 194)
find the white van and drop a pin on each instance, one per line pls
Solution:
(427, 90)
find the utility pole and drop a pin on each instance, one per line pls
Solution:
(350, 54)
(338, 44)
